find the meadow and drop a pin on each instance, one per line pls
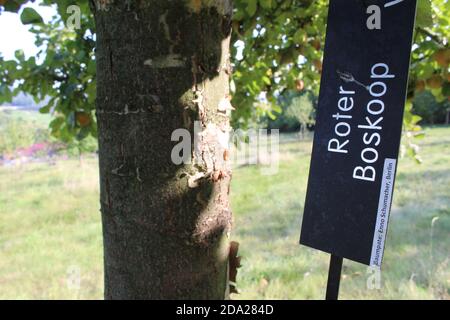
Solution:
(51, 244)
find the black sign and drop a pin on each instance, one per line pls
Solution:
(359, 123)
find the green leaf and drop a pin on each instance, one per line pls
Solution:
(83, 133)
(71, 120)
(5, 94)
(30, 16)
(271, 115)
(424, 14)
(45, 109)
(446, 89)
(91, 91)
(56, 123)
(425, 71)
(266, 4)
(251, 7)
(19, 55)
(13, 5)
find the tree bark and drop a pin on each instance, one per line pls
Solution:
(161, 66)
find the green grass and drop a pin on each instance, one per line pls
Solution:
(50, 226)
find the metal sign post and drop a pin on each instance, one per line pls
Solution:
(334, 278)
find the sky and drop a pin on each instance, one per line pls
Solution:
(14, 35)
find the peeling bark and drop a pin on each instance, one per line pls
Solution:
(161, 65)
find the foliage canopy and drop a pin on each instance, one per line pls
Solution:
(277, 46)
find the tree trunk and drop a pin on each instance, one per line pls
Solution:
(161, 65)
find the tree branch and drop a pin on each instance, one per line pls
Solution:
(433, 36)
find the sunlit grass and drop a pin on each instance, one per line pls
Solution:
(50, 230)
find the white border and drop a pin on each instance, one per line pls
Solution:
(384, 209)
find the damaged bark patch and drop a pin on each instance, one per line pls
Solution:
(193, 181)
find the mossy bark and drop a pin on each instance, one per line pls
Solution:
(161, 65)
